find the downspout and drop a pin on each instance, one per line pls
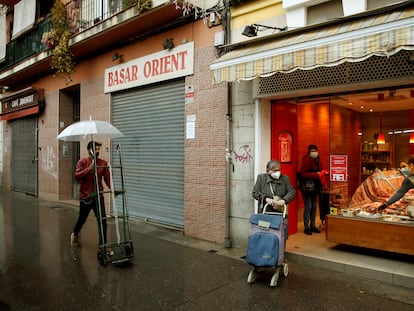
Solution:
(229, 166)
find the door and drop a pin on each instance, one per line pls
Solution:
(284, 149)
(24, 156)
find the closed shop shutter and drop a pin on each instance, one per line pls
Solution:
(152, 121)
(24, 155)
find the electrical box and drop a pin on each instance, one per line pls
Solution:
(219, 38)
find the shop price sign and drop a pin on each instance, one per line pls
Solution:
(339, 167)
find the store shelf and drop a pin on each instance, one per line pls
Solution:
(380, 157)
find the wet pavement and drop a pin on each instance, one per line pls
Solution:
(38, 271)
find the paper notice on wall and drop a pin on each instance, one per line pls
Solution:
(190, 128)
(338, 167)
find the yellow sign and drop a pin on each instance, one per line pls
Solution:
(334, 211)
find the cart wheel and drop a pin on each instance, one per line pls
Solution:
(102, 258)
(275, 278)
(251, 277)
(128, 250)
(285, 270)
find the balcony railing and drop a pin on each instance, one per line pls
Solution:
(82, 14)
(26, 45)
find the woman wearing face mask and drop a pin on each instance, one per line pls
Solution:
(310, 171)
(407, 184)
(272, 187)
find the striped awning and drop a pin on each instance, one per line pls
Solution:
(353, 41)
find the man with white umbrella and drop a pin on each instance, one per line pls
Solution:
(85, 173)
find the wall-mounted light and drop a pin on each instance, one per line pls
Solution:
(168, 44)
(116, 56)
(251, 30)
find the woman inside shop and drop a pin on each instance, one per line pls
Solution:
(407, 184)
(310, 187)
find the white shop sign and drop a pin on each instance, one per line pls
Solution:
(156, 67)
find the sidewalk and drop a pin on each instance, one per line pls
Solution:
(313, 250)
(393, 269)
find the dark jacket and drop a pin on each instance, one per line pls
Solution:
(281, 188)
(309, 170)
(406, 185)
(310, 167)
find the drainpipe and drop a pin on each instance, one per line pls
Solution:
(229, 166)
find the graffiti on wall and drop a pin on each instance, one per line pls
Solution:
(243, 155)
(49, 162)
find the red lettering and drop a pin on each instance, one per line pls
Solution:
(134, 72)
(121, 75)
(110, 79)
(183, 55)
(127, 75)
(147, 69)
(115, 77)
(174, 59)
(155, 67)
(167, 62)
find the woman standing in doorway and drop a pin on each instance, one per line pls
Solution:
(310, 187)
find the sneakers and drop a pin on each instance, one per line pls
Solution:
(315, 230)
(74, 240)
(308, 231)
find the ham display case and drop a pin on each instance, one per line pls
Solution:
(362, 224)
(378, 234)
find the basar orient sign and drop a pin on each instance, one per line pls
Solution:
(156, 67)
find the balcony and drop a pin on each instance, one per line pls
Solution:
(95, 30)
(25, 46)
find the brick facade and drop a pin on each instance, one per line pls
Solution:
(205, 162)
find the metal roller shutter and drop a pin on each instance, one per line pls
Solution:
(152, 121)
(24, 155)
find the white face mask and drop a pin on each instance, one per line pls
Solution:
(314, 154)
(275, 175)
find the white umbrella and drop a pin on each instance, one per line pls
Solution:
(89, 129)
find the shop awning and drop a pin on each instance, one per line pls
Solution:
(23, 103)
(354, 41)
(20, 113)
